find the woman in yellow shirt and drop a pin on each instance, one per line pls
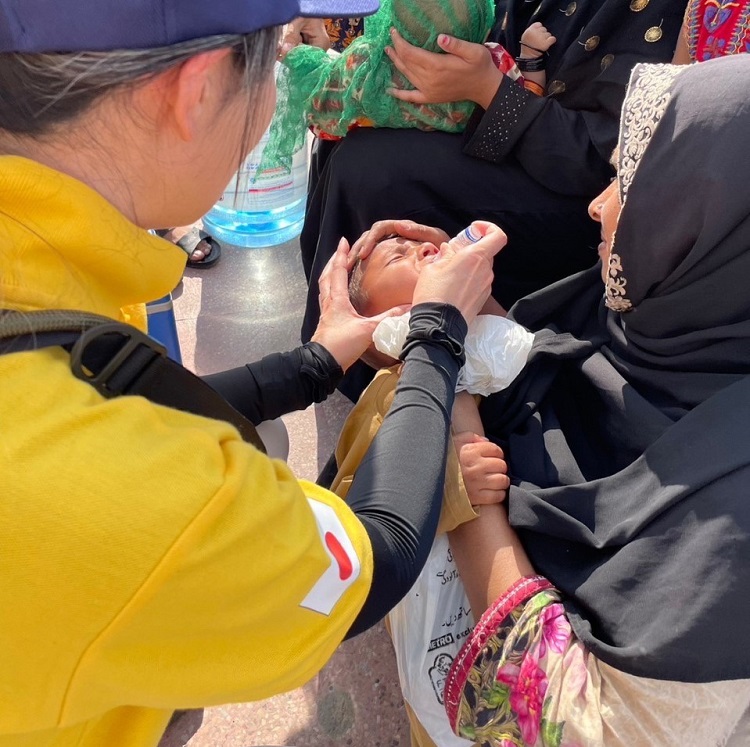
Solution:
(133, 582)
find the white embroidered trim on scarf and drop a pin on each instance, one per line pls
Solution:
(645, 103)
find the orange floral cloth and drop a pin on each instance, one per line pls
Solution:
(343, 31)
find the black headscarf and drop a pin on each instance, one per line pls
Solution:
(628, 434)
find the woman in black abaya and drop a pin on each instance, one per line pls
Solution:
(616, 583)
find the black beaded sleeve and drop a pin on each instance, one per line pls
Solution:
(555, 145)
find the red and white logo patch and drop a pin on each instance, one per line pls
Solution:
(344, 569)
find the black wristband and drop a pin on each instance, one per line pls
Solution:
(440, 324)
(532, 64)
(322, 368)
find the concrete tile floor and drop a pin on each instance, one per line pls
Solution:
(246, 306)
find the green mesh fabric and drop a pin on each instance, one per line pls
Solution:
(333, 94)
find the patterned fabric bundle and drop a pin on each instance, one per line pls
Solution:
(333, 94)
(716, 28)
(343, 31)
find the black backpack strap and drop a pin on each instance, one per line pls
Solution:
(22, 331)
(118, 359)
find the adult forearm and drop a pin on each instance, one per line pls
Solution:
(397, 491)
(279, 383)
(489, 557)
(555, 145)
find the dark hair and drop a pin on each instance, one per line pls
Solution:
(40, 91)
(357, 295)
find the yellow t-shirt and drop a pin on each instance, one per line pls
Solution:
(150, 559)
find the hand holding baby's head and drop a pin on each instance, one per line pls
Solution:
(388, 276)
(389, 273)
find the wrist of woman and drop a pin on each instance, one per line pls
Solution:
(343, 351)
(437, 324)
(321, 367)
(487, 87)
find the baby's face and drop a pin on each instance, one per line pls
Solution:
(389, 274)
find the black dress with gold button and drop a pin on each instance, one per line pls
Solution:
(598, 43)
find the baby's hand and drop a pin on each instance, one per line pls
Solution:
(483, 468)
(310, 31)
(536, 40)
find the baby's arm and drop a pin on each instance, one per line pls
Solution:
(492, 308)
(535, 42)
(482, 462)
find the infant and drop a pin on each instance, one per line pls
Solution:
(476, 472)
(496, 348)
(535, 43)
(386, 278)
(335, 94)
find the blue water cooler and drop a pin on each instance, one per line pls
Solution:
(162, 325)
(262, 207)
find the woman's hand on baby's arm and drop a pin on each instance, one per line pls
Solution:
(483, 468)
(465, 73)
(341, 330)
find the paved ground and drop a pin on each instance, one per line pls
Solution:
(247, 305)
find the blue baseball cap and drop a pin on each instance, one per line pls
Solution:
(101, 25)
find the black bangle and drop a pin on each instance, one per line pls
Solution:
(532, 64)
(533, 49)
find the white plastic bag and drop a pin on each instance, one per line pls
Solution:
(496, 350)
(428, 628)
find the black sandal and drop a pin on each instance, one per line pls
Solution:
(189, 244)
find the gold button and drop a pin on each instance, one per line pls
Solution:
(638, 5)
(607, 61)
(570, 9)
(555, 87)
(591, 44)
(653, 34)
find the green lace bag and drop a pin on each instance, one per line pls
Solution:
(333, 94)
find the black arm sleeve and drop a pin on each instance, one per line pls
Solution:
(279, 383)
(398, 488)
(565, 150)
